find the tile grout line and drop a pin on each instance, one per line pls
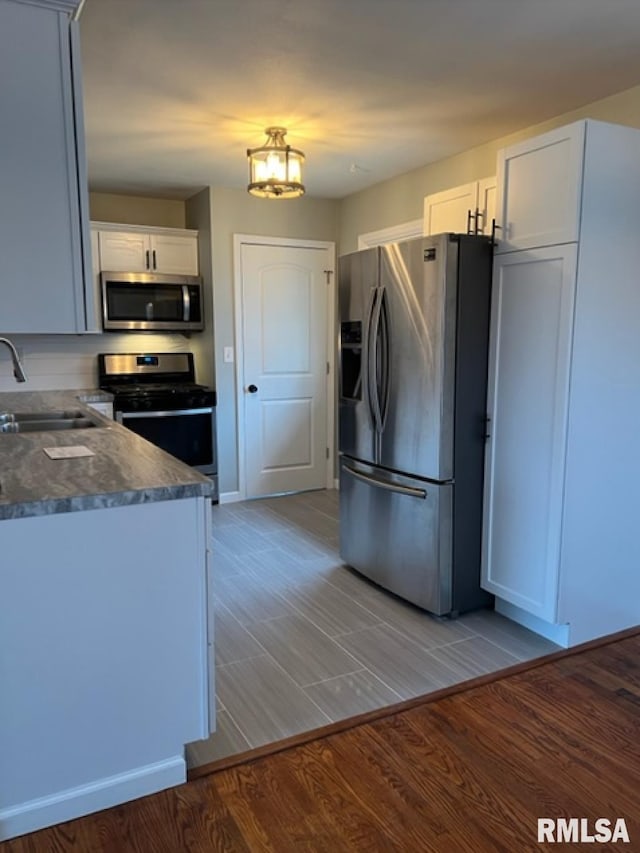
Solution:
(368, 672)
(300, 686)
(236, 724)
(497, 646)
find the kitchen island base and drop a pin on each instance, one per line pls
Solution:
(104, 657)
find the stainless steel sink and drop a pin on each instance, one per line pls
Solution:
(44, 421)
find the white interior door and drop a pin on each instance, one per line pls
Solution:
(284, 366)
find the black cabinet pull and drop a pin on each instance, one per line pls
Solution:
(147, 256)
(155, 265)
(470, 216)
(494, 228)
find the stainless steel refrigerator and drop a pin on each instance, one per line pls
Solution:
(413, 345)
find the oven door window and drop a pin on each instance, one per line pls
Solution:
(185, 435)
(136, 302)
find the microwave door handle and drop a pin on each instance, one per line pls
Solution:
(186, 303)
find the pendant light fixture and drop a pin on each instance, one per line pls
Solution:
(275, 169)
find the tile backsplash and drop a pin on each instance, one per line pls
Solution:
(69, 361)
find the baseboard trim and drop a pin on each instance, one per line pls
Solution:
(230, 497)
(556, 633)
(76, 802)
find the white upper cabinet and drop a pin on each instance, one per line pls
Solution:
(136, 249)
(486, 208)
(450, 209)
(539, 190)
(121, 251)
(44, 228)
(174, 253)
(466, 209)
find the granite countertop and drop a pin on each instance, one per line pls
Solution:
(124, 468)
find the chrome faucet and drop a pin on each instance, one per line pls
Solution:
(18, 370)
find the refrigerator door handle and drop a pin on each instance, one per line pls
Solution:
(385, 484)
(384, 378)
(372, 383)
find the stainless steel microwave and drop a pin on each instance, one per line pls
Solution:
(150, 302)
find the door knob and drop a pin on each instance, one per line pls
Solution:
(252, 389)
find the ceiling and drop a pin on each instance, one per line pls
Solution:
(176, 90)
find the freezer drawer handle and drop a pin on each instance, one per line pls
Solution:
(389, 487)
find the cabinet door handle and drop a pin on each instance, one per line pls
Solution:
(479, 221)
(155, 265)
(494, 228)
(147, 257)
(470, 216)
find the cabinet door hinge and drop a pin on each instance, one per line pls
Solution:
(327, 454)
(328, 368)
(487, 428)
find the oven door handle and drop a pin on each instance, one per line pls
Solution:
(122, 416)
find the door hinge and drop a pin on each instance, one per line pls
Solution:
(328, 368)
(327, 449)
(328, 274)
(487, 428)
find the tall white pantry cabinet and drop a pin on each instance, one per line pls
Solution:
(561, 545)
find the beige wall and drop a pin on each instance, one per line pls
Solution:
(137, 210)
(236, 212)
(401, 199)
(198, 216)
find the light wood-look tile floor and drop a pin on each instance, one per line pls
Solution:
(302, 641)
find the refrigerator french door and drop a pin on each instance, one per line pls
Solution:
(414, 323)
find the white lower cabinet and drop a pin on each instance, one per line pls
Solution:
(107, 657)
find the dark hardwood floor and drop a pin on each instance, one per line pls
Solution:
(468, 772)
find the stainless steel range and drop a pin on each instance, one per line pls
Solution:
(156, 396)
